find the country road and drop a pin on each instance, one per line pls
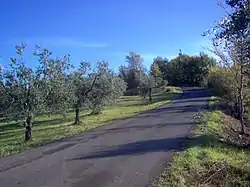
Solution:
(125, 153)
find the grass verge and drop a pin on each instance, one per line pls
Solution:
(209, 160)
(54, 127)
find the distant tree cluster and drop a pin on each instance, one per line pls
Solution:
(138, 80)
(184, 70)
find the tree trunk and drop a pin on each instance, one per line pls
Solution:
(150, 94)
(28, 124)
(77, 116)
(144, 93)
(241, 101)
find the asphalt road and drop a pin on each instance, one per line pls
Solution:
(126, 153)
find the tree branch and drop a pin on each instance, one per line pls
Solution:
(92, 85)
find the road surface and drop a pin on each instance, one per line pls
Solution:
(125, 153)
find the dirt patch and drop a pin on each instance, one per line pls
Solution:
(230, 132)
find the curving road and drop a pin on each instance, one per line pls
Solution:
(126, 153)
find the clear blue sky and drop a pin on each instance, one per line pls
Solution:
(107, 29)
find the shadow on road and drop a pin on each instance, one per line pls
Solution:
(136, 148)
(161, 111)
(143, 147)
(142, 127)
(101, 132)
(191, 100)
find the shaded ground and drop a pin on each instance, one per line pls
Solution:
(128, 152)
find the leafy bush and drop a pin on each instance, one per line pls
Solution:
(223, 83)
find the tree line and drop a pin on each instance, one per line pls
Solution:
(184, 70)
(55, 86)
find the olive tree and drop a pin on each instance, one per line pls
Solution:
(84, 81)
(132, 73)
(107, 88)
(28, 92)
(95, 88)
(147, 82)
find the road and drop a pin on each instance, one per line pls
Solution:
(125, 153)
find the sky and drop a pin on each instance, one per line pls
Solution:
(94, 30)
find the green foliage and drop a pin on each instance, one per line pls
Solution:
(161, 62)
(182, 71)
(132, 73)
(189, 70)
(224, 82)
(130, 76)
(81, 83)
(147, 83)
(53, 87)
(232, 44)
(235, 24)
(95, 88)
(29, 92)
(106, 90)
(157, 74)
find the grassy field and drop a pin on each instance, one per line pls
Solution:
(208, 160)
(54, 127)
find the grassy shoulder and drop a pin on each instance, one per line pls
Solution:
(209, 160)
(46, 128)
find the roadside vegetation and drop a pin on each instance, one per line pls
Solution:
(218, 152)
(216, 155)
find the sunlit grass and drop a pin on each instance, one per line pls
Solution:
(47, 128)
(207, 161)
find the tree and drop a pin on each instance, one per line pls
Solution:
(232, 36)
(156, 72)
(132, 73)
(135, 61)
(95, 88)
(107, 88)
(29, 92)
(186, 70)
(83, 86)
(162, 64)
(129, 76)
(147, 83)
